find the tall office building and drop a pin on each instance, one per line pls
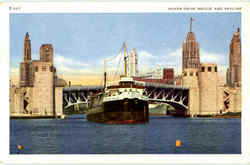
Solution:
(40, 91)
(133, 63)
(190, 51)
(234, 71)
(27, 48)
(46, 53)
(26, 72)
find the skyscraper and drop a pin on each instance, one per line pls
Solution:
(27, 48)
(40, 91)
(46, 53)
(190, 51)
(26, 73)
(28, 67)
(133, 67)
(234, 71)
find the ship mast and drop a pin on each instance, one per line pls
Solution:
(105, 74)
(125, 63)
(191, 24)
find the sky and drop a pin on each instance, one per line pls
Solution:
(82, 41)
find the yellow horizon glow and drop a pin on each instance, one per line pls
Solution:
(76, 80)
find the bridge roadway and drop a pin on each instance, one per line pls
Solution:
(146, 84)
(176, 96)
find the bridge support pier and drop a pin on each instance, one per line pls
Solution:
(190, 80)
(193, 102)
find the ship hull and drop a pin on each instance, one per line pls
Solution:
(126, 111)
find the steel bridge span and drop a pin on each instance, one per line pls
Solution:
(175, 96)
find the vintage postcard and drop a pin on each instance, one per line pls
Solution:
(113, 79)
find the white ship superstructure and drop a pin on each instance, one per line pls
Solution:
(127, 89)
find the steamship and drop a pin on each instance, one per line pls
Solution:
(122, 103)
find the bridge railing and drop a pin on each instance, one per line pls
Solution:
(78, 88)
(145, 84)
(160, 85)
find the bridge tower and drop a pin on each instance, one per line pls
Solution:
(190, 80)
(43, 95)
(190, 69)
(208, 83)
(40, 91)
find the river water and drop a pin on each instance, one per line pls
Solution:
(76, 135)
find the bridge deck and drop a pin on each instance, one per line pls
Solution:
(160, 85)
(146, 84)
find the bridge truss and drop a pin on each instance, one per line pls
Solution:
(175, 96)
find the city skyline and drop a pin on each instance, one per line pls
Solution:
(82, 41)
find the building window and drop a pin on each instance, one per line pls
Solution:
(43, 68)
(209, 69)
(191, 74)
(203, 69)
(51, 68)
(196, 73)
(36, 68)
(215, 69)
(185, 74)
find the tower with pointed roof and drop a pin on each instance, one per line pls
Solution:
(26, 73)
(40, 90)
(234, 71)
(27, 48)
(190, 51)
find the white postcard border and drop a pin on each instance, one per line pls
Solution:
(118, 7)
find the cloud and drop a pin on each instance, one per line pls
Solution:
(61, 60)
(146, 55)
(148, 61)
(177, 53)
(208, 57)
(220, 59)
(68, 66)
(173, 59)
(114, 64)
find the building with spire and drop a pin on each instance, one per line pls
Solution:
(234, 70)
(190, 51)
(27, 48)
(26, 77)
(208, 96)
(39, 93)
(133, 63)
